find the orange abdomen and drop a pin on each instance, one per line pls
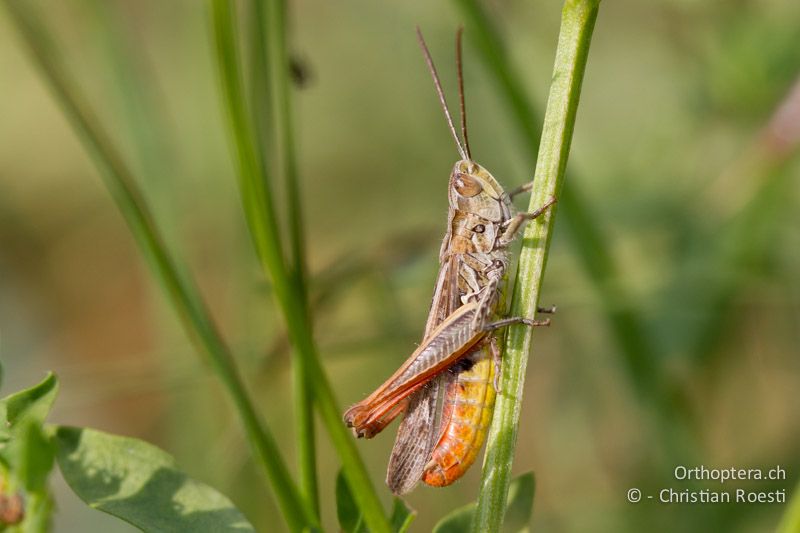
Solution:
(466, 415)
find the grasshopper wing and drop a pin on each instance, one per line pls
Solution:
(417, 433)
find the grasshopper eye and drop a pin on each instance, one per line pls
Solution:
(466, 185)
(480, 228)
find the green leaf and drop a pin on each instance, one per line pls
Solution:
(139, 483)
(402, 516)
(519, 507)
(34, 403)
(518, 511)
(26, 450)
(31, 455)
(456, 521)
(350, 519)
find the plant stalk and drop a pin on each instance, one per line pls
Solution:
(279, 61)
(577, 24)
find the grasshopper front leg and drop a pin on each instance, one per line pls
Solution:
(511, 226)
(521, 189)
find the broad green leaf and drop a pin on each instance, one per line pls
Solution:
(519, 507)
(34, 402)
(402, 516)
(139, 483)
(350, 519)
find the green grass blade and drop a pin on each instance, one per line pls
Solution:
(259, 75)
(181, 291)
(577, 23)
(253, 177)
(267, 53)
(264, 231)
(279, 63)
(282, 99)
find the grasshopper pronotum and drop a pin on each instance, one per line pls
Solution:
(439, 438)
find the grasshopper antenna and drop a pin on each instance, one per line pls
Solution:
(461, 106)
(461, 150)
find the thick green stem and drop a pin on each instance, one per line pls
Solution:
(182, 292)
(577, 23)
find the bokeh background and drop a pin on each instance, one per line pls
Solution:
(676, 341)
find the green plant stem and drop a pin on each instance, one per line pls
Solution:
(279, 61)
(261, 220)
(183, 293)
(268, 77)
(629, 332)
(577, 23)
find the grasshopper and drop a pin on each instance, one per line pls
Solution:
(459, 357)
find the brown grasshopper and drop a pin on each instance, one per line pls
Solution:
(459, 353)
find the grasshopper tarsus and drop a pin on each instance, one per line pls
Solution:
(552, 200)
(525, 217)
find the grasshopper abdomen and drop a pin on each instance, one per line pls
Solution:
(466, 414)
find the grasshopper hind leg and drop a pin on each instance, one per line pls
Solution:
(516, 320)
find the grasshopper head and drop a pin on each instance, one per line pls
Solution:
(473, 190)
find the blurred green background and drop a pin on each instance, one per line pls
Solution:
(676, 340)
